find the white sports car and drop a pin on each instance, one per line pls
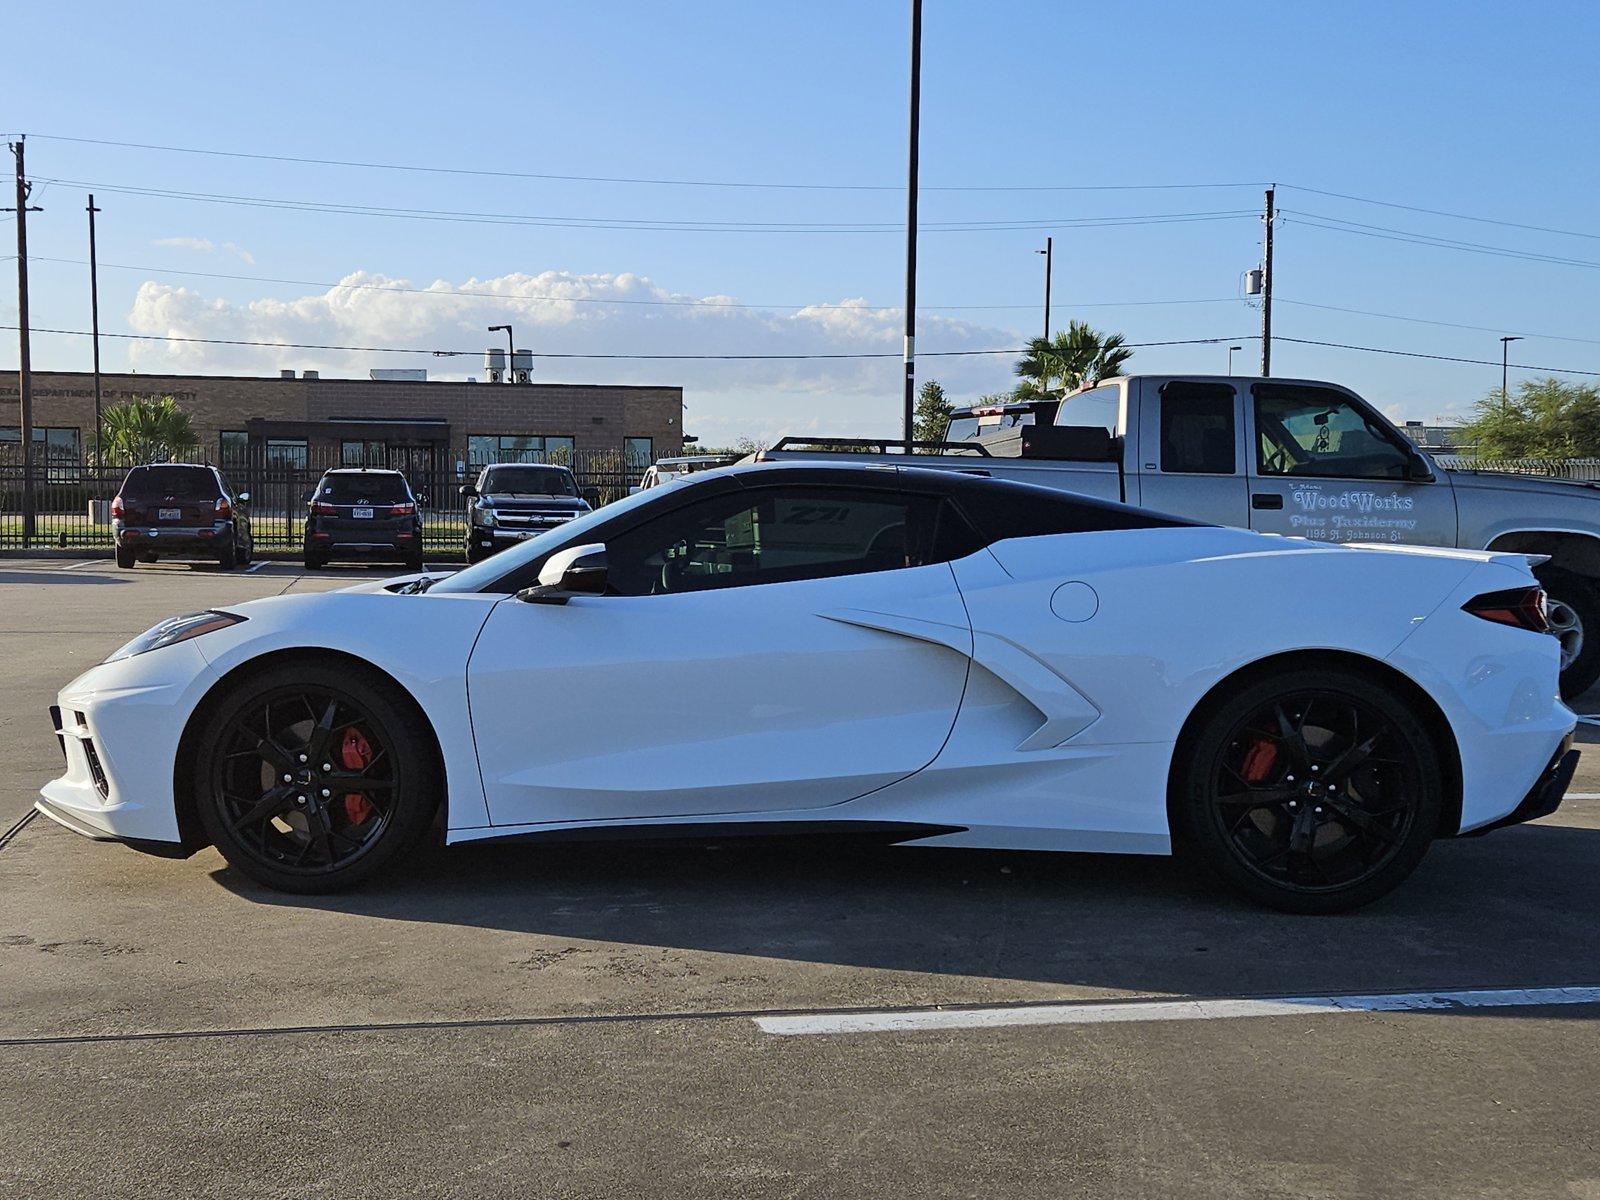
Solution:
(934, 658)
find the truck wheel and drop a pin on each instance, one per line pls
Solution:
(125, 557)
(1575, 619)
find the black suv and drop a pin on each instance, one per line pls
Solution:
(180, 510)
(513, 501)
(360, 513)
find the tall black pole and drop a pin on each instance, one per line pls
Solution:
(1048, 252)
(1505, 371)
(1266, 291)
(911, 222)
(94, 325)
(24, 355)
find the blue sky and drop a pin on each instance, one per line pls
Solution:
(1467, 108)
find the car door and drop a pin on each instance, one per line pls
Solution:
(1192, 454)
(1324, 466)
(769, 648)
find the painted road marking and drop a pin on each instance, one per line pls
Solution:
(88, 562)
(1169, 1010)
(254, 567)
(1582, 796)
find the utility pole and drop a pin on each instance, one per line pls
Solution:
(911, 223)
(1505, 371)
(1266, 291)
(1048, 245)
(94, 325)
(24, 357)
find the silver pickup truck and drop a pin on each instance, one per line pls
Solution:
(1292, 456)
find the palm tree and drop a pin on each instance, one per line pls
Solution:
(145, 429)
(1077, 355)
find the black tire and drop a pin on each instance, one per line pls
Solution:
(414, 563)
(315, 561)
(247, 552)
(228, 559)
(125, 558)
(1273, 796)
(475, 555)
(305, 843)
(1574, 604)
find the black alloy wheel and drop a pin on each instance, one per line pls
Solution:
(312, 778)
(1315, 792)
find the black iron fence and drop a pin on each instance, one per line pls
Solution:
(72, 501)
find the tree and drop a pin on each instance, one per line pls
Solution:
(146, 429)
(1077, 355)
(1543, 418)
(932, 413)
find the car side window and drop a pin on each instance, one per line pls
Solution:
(782, 534)
(1197, 429)
(1313, 432)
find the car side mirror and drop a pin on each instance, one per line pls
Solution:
(576, 571)
(243, 497)
(591, 497)
(469, 491)
(1418, 469)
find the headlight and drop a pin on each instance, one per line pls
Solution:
(176, 629)
(483, 515)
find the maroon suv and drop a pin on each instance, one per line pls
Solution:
(180, 510)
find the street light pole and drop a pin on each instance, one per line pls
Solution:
(1047, 252)
(1505, 368)
(1231, 349)
(911, 223)
(94, 325)
(511, 348)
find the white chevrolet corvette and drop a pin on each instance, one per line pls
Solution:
(933, 658)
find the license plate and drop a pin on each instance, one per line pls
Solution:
(364, 514)
(169, 514)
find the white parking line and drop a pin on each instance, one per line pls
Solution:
(88, 562)
(1582, 796)
(254, 567)
(1169, 1010)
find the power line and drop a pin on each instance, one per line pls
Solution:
(660, 182)
(512, 296)
(1439, 212)
(1319, 221)
(1363, 312)
(1480, 362)
(895, 354)
(645, 224)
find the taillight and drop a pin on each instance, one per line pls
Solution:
(224, 509)
(1522, 607)
(319, 506)
(402, 510)
(116, 506)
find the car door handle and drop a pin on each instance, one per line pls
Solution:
(1266, 500)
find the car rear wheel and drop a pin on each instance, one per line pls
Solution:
(228, 559)
(310, 779)
(315, 561)
(1312, 791)
(125, 558)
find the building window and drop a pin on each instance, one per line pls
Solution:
(638, 452)
(56, 446)
(483, 449)
(363, 454)
(559, 450)
(286, 452)
(235, 447)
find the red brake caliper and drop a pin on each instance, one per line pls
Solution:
(356, 755)
(1258, 761)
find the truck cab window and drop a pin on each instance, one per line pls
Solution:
(1312, 432)
(1099, 407)
(1197, 429)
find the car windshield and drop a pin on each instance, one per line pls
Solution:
(382, 487)
(179, 483)
(527, 481)
(476, 578)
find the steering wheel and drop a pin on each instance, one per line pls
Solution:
(1277, 463)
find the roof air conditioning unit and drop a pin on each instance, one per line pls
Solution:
(521, 367)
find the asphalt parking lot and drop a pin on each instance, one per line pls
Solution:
(511, 1021)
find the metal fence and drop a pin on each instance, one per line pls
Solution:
(1557, 468)
(66, 513)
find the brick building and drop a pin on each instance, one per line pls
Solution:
(419, 425)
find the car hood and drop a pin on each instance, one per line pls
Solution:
(1506, 481)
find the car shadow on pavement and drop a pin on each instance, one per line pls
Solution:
(1514, 909)
(57, 577)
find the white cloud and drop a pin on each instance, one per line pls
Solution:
(207, 246)
(552, 313)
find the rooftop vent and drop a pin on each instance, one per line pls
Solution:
(310, 375)
(287, 373)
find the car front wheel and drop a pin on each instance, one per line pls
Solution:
(310, 778)
(1310, 791)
